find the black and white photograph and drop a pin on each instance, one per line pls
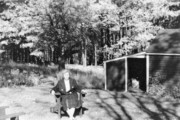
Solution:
(89, 59)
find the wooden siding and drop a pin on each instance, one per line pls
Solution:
(165, 68)
(115, 75)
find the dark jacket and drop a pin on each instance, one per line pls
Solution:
(70, 98)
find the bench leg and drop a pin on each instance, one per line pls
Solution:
(59, 107)
(15, 118)
(59, 111)
(81, 111)
(2, 112)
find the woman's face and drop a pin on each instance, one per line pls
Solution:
(66, 75)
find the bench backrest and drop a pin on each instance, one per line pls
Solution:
(2, 110)
(11, 115)
(14, 116)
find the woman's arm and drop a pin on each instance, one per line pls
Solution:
(56, 88)
(76, 86)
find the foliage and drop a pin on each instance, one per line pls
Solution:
(76, 26)
(159, 90)
(146, 17)
(14, 74)
(89, 77)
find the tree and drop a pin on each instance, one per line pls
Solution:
(146, 17)
(47, 24)
(54, 30)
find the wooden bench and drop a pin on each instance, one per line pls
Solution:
(14, 116)
(59, 105)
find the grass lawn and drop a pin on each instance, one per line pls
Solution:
(100, 105)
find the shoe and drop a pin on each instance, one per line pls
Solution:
(72, 118)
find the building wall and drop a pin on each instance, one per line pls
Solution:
(165, 68)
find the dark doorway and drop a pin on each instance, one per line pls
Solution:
(137, 70)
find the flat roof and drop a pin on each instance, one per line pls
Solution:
(127, 56)
(141, 55)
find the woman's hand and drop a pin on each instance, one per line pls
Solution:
(53, 92)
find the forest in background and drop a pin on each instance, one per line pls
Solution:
(81, 31)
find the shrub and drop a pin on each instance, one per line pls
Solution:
(88, 79)
(157, 89)
(174, 91)
(23, 74)
(29, 75)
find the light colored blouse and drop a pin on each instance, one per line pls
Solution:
(67, 85)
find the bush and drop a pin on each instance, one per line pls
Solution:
(157, 89)
(24, 74)
(88, 79)
(174, 91)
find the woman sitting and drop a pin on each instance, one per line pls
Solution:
(69, 91)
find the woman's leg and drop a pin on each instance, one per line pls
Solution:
(71, 112)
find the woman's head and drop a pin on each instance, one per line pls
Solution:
(66, 74)
(63, 74)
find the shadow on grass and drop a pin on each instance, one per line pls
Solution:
(133, 106)
(162, 113)
(77, 112)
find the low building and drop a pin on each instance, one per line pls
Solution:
(160, 61)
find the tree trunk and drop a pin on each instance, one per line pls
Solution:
(84, 56)
(84, 51)
(95, 55)
(108, 38)
(102, 39)
(71, 60)
(61, 64)
(61, 58)
(80, 56)
(52, 55)
(101, 57)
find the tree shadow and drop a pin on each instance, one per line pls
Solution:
(133, 106)
(161, 112)
(111, 111)
(77, 112)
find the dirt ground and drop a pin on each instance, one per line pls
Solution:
(98, 105)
